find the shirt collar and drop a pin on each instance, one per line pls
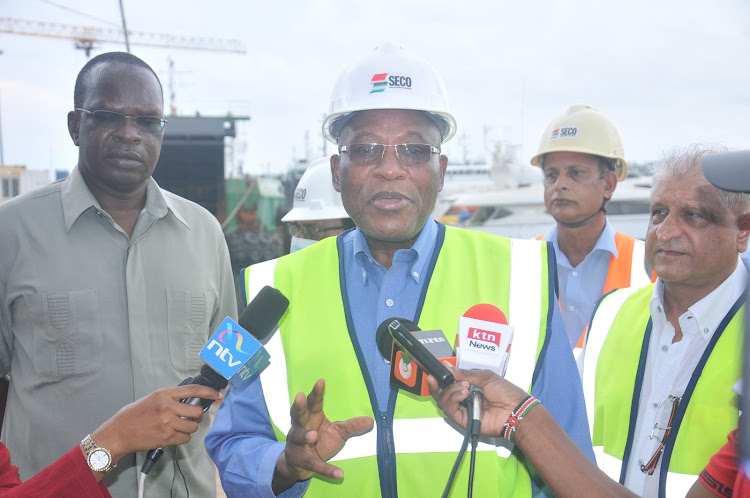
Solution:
(605, 242)
(77, 198)
(422, 248)
(709, 312)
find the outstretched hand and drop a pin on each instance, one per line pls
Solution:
(313, 439)
(500, 398)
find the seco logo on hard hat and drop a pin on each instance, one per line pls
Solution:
(382, 81)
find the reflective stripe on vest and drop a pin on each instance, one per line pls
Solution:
(602, 321)
(614, 364)
(415, 434)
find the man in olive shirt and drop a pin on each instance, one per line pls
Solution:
(109, 286)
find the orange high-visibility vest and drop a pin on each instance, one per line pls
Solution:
(624, 271)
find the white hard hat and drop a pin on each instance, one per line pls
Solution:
(315, 198)
(389, 78)
(585, 130)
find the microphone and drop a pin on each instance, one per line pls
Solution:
(245, 358)
(414, 353)
(484, 339)
(236, 349)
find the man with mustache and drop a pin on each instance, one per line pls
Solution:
(660, 361)
(109, 286)
(388, 118)
(582, 157)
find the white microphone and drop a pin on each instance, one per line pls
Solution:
(484, 339)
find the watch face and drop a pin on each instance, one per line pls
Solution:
(99, 460)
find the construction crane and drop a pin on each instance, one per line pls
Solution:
(86, 36)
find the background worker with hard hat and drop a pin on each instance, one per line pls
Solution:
(317, 212)
(389, 118)
(582, 159)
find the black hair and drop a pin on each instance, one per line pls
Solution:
(606, 164)
(79, 92)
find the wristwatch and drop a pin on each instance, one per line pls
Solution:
(98, 458)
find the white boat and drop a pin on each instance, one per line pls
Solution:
(520, 212)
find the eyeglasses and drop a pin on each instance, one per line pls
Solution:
(308, 232)
(114, 120)
(648, 466)
(407, 154)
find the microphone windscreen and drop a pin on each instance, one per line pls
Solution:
(487, 312)
(262, 315)
(383, 336)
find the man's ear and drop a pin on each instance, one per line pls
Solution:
(610, 184)
(443, 168)
(743, 224)
(335, 162)
(74, 125)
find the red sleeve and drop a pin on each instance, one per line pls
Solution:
(68, 477)
(721, 472)
(8, 473)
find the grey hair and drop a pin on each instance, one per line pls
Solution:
(681, 162)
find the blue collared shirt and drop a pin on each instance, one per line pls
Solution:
(581, 287)
(241, 441)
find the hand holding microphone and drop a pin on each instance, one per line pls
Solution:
(234, 352)
(500, 398)
(158, 419)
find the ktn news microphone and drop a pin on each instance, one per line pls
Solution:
(234, 352)
(483, 341)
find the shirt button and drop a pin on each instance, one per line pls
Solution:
(575, 273)
(389, 302)
(655, 405)
(571, 308)
(665, 348)
(705, 331)
(415, 274)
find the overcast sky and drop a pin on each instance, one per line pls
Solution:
(667, 72)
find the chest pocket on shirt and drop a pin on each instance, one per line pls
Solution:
(65, 331)
(188, 320)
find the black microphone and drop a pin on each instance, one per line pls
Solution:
(260, 319)
(405, 340)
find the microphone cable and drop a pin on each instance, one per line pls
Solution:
(475, 414)
(472, 432)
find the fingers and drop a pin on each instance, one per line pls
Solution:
(354, 426)
(305, 464)
(192, 391)
(298, 411)
(306, 412)
(315, 398)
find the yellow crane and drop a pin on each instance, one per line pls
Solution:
(85, 37)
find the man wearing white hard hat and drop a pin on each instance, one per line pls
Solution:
(317, 211)
(389, 118)
(582, 159)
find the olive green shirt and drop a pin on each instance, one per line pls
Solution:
(91, 320)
